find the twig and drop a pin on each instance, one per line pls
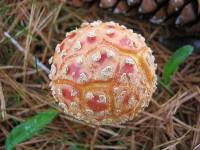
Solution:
(133, 143)
(22, 50)
(166, 87)
(3, 105)
(94, 138)
(172, 143)
(197, 147)
(196, 137)
(110, 132)
(185, 125)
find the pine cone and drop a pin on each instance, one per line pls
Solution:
(180, 12)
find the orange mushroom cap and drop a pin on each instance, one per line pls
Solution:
(103, 73)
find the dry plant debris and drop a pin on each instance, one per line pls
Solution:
(170, 122)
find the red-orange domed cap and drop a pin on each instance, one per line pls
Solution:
(103, 73)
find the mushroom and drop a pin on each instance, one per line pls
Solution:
(103, 73)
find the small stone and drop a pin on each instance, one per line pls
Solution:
(77, 46)
(107, 72)
(102, 99)
(50, 60)
(58, 48)
(89, 95)
(96, 56)
(83, 78)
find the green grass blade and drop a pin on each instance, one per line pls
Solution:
(167, 88)
(174, 62)
(30, 127)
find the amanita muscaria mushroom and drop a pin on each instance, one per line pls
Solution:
(103, 73)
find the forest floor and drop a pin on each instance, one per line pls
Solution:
(170, 122)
